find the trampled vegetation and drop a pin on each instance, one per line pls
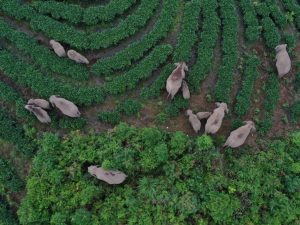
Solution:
(173, 175)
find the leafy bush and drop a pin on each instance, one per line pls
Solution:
(297, 82)
(112, 117)
(295, 112)
(279, 18)
(270, 33)
(129, 107)
(9, 180)
(293, 7)
(6, 217)
(169, 180)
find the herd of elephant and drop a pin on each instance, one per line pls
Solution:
(39, 106)
(176, 81)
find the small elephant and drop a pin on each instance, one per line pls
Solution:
(239, 136)
(40, 114)
(185, 90)
(109, 176)
(39, 102)
(194, 121)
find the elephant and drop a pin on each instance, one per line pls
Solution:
(194, 121)
(109, 176)
(239, 136)
(58, 48)
(77, 57)
(214, 122)
(283, 61)
(39, 102)
(174, 81)
(65, 106)
(41, 114)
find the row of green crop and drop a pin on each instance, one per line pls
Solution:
(9, 180)
(12, 132)
(294, 9)
(278, 17)
(209, 36)
(141, 71)
(76, 14)
(188, 32)
(252, 31)
(129, 108)
(136, 50)
(43, 85)
(77, 38)
(270, 102)
(229, 51)
(243, 99)
(42, 55)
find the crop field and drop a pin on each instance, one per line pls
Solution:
(128, 122)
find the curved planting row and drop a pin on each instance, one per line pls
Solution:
(252, 31)
(243, 99)
(76, 14)
(136, 50)
(279, 18)
(141, 71)
(209, 36)
(229, 51)
(45, 86)
(42, 55)
(13, 133)
(77, 38)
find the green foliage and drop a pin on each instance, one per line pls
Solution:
(6, 217)
(129, 107)
(270, 33)
(294, 8)
(252, 31)
(71, 123)
(9, 180)
(291, 41)
(295, 111)
(243, 99)
(209, 36)
(188, 36)
(136, 50)
(169, 180)
(297, 82)
(279, 18)
(178, 103)
(13, 132)
(229, 48)
(112, 117)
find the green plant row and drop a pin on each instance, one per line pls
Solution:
(270, 33)
(129, 107)
(13, 133)
(208, 37)
(229, 51)
(76, 14)
(141, 71)
(10, 182)
(252, 31)
(271, 99)
(278, 17)
(44, 85)
(243, 99)
(136, 50)
(188, 31)
(42, 55)
(293, 8)
(78, 38)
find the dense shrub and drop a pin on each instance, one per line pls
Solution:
(112, 117)
(129, 107)
(276, 14)
(9, 180)
(295, 111)
(172, 179)
(297, 82)
(294, 8)
(6, 217)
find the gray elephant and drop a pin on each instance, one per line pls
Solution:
(65, 106)
(109, 176)
(174, 81)
(40, 114)
(185, 90)
(239, 136)
(283, 61)
(39, 102)
(194, 121)
(58, 48)
(214, 122)
(77, 57)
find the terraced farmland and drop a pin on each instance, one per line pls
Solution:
(131, 46)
